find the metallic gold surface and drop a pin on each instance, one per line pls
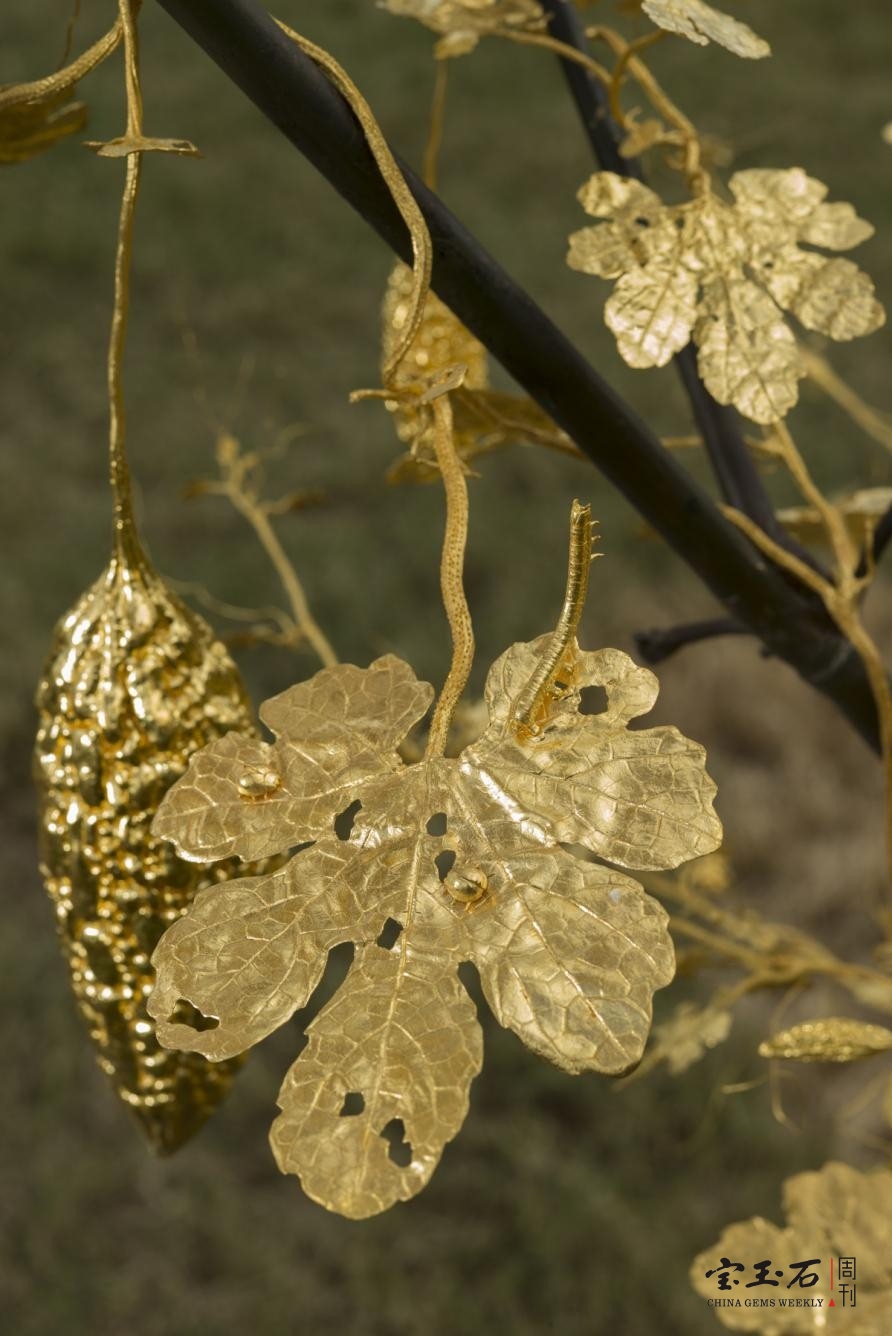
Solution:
(461, 23)
(836, 1212)
(723, 274)
(463, 856)
(135, 683)
(830, 1039)
(700, 23)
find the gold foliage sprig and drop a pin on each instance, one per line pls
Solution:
(454, 858)
(240, 472)
(723, 274)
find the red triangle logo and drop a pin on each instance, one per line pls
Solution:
(832, 1303)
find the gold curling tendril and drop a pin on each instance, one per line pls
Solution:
(393, 179)
(49, 87)
(534, 700)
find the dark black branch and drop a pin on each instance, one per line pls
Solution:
(882, 535)
(660, 643)
(241, 37)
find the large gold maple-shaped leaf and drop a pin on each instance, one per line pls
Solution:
(723, 274)
(462, 859)
(700, 23)
(461, 23)
(835, 1212)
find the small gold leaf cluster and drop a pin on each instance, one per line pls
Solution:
(458, 860)
(723, 274)
(834, 1212)
(700, 23)
(461, 23)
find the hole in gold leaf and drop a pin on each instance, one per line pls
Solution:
(184, 1013)
(444, 862)
(343, 822)
(389, 934)
(399, 1149)
(354, 1104)
(593, 700)
(437, 824)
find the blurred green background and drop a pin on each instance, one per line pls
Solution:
(565, 1206)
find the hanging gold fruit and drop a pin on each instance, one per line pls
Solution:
(134, 685)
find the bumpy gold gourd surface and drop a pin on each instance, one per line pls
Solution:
(135, 683)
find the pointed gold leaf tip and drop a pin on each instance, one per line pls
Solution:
(831, 1039)
(699, 22)
(461, 23)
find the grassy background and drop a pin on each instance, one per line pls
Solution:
(565, 1206)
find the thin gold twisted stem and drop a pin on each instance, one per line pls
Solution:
(452, 576)
(395, 182)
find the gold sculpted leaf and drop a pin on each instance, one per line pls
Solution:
(700, 23)
(724, 275)
(688, 1034)
(862, 511)
(29, 128)
(835, 1212)
(461, 23)
(424, 866)
(831, 1039)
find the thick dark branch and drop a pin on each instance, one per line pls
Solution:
(732, 464)
(240, 36)
(656, 645)
(882, 536)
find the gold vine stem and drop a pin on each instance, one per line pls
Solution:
(124, 526)
(257, 514)
(451, 576)
(627, 61)
(65, 78)
(619, 69)
(395, 182)
(659, 99)
(871, 421)
(435, 125)
(840, 598)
